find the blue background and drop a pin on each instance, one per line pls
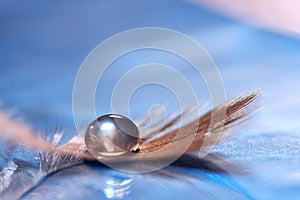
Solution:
(43, 43)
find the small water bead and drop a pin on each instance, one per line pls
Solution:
(111, 135)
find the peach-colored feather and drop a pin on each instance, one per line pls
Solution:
(236, 110)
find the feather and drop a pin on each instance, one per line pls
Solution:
(74, 152)
(236, 110)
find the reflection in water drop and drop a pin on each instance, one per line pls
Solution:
(117, 187)
(100, 157)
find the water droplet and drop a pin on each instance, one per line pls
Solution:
(111, 135)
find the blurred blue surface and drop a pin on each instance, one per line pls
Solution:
(42, 44)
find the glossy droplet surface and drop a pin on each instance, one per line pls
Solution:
(111, 135)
